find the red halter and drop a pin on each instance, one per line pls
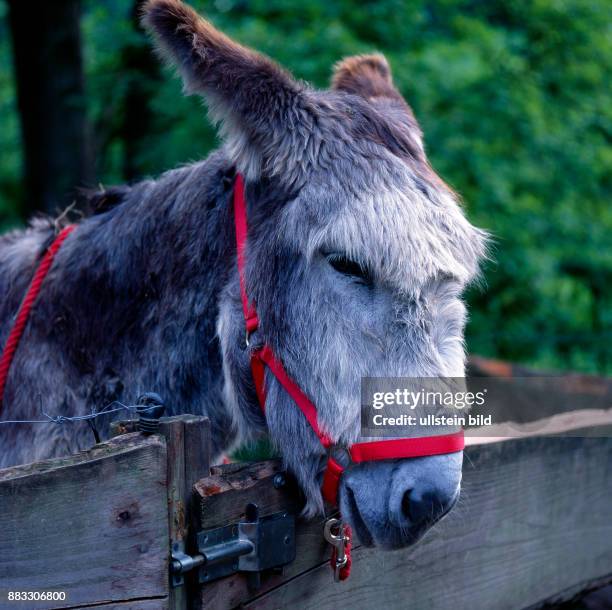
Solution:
(260, 358)
(264, 356)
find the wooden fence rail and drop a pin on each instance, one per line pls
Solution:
(534, 524)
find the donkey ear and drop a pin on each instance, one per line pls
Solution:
(369, 76)
(257, 103)
(366, 75)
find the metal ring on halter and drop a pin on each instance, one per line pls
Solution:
(247, 338)
(341, 454)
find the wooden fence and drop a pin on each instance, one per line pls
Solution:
(533, 526)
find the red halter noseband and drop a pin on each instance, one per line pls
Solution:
(263, 357)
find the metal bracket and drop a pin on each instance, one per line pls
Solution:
(181, 563)
(248, 546)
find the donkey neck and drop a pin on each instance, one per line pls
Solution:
(132, 302)
(169, 249)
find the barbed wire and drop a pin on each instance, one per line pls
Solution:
(63, 419)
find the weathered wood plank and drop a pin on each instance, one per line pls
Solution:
(174, 432)
(534, 519)
(196, 448)
(223, 498)
(529, 395)
(93, 525)
(588, 422)
(230, 487)
(188, 451)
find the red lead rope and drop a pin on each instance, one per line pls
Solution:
(26, 306)
(263, 357)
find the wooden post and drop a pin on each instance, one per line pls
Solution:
(188, 451)
(188, 460)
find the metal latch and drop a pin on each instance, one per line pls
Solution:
(257, 544)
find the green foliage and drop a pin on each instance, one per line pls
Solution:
(515, 102)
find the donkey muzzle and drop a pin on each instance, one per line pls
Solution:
(392, 504)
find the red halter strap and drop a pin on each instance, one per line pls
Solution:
(26, 306)
(264, 357)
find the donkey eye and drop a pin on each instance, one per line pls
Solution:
(346, 266)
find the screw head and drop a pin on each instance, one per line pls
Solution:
(279, 480)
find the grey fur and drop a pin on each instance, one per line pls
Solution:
(145, 296)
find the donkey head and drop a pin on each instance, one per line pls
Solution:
(356, 259)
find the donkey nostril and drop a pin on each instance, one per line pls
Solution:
(406, 504)
(420, 507)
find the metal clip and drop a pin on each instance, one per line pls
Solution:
(335, 533)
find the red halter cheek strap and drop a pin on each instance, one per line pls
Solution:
(25, 308)
(264, 357)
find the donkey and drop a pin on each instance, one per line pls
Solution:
(357, 256)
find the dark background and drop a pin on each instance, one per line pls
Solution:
(514, 98)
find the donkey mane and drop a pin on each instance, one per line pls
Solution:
(105, 198)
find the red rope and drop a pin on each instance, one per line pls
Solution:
(26, 306)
